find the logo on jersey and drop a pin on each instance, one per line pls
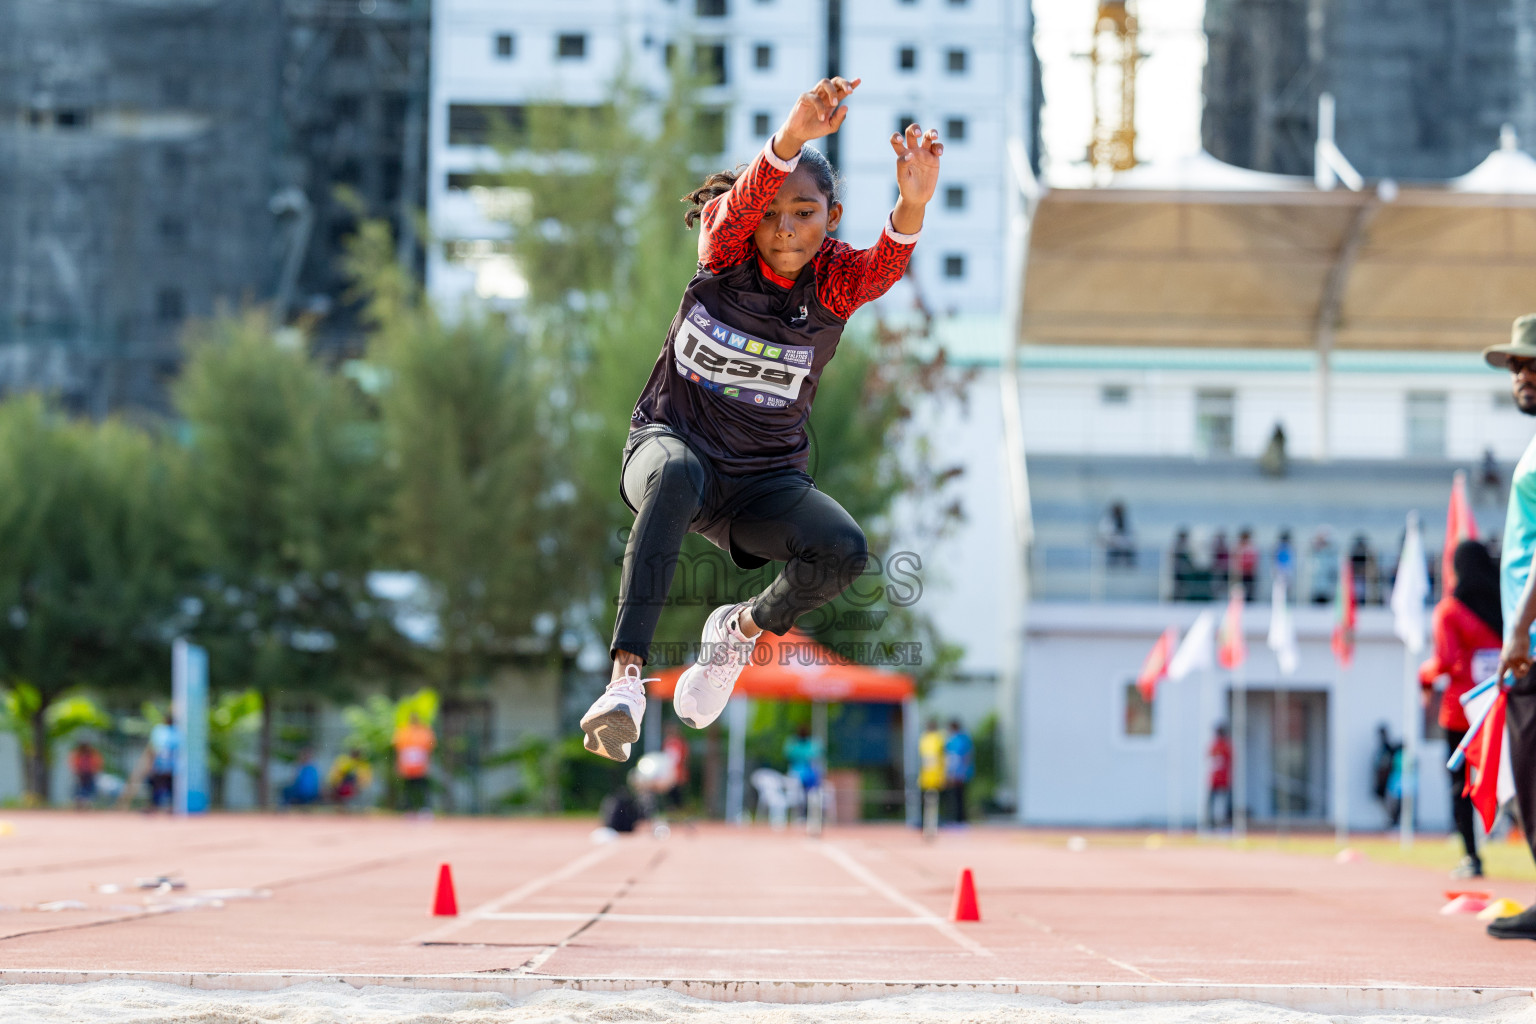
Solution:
(796, 321)
(723, 360)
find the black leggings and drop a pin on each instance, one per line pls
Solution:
(778, 516)
(1461, 806)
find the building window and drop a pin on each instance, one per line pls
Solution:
(762, 56)
(1426, 424)
(709, 62)
(954, 266)
(906, 58)
(571, 45)
(954, 197)
(1114, 394)
(473, 125)
(1138, 712)
(762, 124)
(954, 61)
(904, 121)
(1213, 421)
(504, 45)
(170, 306)
(709, 131)
(954, 129)
(957, 3)
(710, 8)
(173, 232)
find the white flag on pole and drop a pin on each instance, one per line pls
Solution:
(1198, 650)
(1410, 590)
(1282, 630)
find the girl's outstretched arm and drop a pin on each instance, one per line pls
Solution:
(852, 277)
(917, 175)
(728, 220)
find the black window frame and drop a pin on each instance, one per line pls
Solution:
(954, 266)
(505, 45)
(906, 57)
(956, 60)
(571, 46)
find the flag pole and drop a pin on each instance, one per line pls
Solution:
(1203, 821)
(1408, 778)
(1239, 752)
(1173, 767)
(1340, 771)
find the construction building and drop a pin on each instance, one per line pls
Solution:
(1423, 86)
(167, 159)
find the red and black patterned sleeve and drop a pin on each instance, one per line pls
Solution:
(846, 277)
(730, 219)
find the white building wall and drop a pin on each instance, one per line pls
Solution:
(1080, 769)
(1065, 414)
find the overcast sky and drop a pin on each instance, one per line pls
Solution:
(1167, 84)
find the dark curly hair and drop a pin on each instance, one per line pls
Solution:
(718, 184)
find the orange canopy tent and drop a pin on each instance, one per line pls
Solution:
(795, 667)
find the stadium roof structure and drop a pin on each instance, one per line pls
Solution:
(1201, 254)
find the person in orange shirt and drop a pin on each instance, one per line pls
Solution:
(413, 761)
(1468, 625)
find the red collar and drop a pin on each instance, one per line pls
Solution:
(768, 272)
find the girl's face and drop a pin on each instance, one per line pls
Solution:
(795, 224)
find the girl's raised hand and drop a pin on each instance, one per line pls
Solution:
(818, 111)
(917, 163)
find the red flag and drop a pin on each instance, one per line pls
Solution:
(1483, 753)
(1231, 650)
(1459, 526)
(1155, 668)
(1344, 617)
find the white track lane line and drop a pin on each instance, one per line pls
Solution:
(846, 861)
(523, 891)
(703, 919)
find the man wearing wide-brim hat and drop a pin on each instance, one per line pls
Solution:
(1519, 551)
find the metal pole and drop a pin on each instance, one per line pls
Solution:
(736, 762)
(1239, 795)
(1207, 701)
(909, 737)
(1340, 769)
(1173, 765)
(1408, 777)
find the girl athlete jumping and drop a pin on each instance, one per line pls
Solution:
(718, 442)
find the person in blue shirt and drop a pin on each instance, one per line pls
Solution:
(163, 741)
(959, 769)
(305, 787)
(803, 754)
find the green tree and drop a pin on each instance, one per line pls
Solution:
(88, 551)
(284, 487)
(480, 498)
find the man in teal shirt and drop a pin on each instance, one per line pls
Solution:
(1519, 600)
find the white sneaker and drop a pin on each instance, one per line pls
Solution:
(612, 723)
(702, 690)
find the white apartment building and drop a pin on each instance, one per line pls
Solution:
(957, 65)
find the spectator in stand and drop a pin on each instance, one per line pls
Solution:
(1115, 534)
(1247, 555)
(1324, 568)
(1275, 462)
(1220, 760)
(1469, 629)
(1190, 582)
(1285, 560)
(85, 764)
(1221, 562)
(1489, 479)
(1362, 567)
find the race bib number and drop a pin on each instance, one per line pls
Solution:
(739, 366)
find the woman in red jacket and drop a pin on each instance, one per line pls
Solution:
(1469, 628)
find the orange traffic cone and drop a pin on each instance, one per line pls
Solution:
(443, 903)
(965, 899)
